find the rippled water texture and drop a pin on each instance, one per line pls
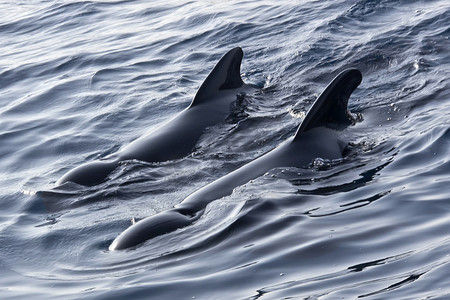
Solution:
(80, 79)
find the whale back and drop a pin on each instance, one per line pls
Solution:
(330, 108)
(225, 75)
(317, 141)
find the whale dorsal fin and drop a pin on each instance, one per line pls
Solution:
(225, 75)
(330, 109)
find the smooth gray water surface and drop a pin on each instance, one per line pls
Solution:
(81, 79)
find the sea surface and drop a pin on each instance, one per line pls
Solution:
(81, 79)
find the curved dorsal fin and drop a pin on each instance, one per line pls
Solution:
(225, 75)
(330, 109)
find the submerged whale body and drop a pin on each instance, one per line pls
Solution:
(315, 137)
(177, 137)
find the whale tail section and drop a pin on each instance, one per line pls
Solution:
(330, 108)
(89, 174)
(225, 75)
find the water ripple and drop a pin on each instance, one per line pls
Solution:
(80, 79)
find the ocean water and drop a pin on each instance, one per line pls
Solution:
(81, 79)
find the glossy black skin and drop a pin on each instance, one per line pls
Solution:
(177, 137)
(316, 137)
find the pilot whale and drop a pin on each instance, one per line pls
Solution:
(317, 136)
(177, 137)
